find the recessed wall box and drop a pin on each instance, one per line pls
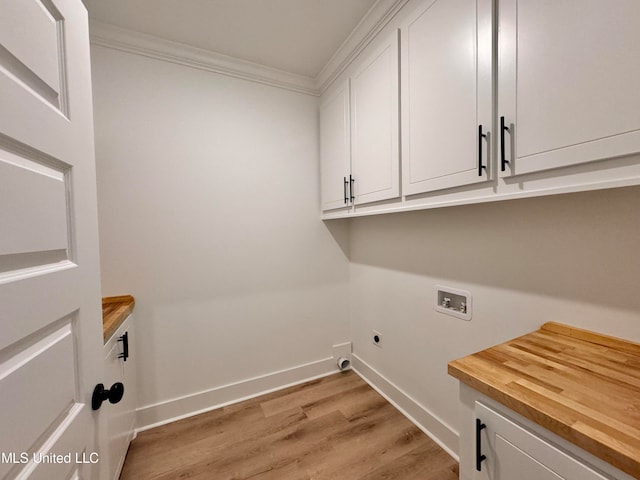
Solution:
(377, 338)
(454, 302)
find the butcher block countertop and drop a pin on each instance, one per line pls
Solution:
(580, 385)
(114, 312)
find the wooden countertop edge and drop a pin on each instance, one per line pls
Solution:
(519, 405)
(112, 321)
(118, 299)
(516, 402)
(592, 337)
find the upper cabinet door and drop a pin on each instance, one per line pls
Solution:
(446, 95)
(569, 76)
(335, 148)
(375, 159)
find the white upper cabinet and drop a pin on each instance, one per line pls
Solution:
(569, 77)
(335, 149)
(499, 99)
(375, 154)
(446, 95)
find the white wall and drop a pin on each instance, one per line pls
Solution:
(572, 259)
(209, 215)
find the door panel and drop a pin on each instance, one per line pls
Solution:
(42, 376)
(50, 322)
(446, 94)
(63, 440)
(569, 73)
(40, 224)
(335, 148)
(31, 42)
(375, 156)
(514, 463)
(52, 298)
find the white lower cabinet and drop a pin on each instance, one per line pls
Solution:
(120, 417)
(498, 444)
(505, 450)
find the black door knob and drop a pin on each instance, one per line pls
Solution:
(114, 394)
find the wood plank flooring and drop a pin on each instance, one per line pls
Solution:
(333, 428)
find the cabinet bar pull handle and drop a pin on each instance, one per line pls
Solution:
(345, 191)
(125, 346)
(481, 135)
(503, 160)
(351, 181)
(479, 456)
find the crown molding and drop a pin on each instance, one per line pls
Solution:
(378, 16)
(117, 38)
(110, 36)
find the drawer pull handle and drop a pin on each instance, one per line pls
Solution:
(503, 160)
(125, 346)
(351, 195)
(345, 190)
(479, 456)
(481, 135)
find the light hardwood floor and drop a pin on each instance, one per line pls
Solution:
(334, 428)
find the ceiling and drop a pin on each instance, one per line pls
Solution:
(297, 36)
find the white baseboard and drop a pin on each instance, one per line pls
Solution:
(151, 416)
(430, 424)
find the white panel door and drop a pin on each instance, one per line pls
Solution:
(50, 315)
(513, 452)
(335, 149)
(446, 95)
(375, 155)
(569, 72)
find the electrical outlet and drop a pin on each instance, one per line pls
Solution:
(376, 338)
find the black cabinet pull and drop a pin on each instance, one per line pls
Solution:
(125, 346)
(481, 135)
(479, 456)
(503, 160)
(351, 195)
(345, 190)
(114, 394)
